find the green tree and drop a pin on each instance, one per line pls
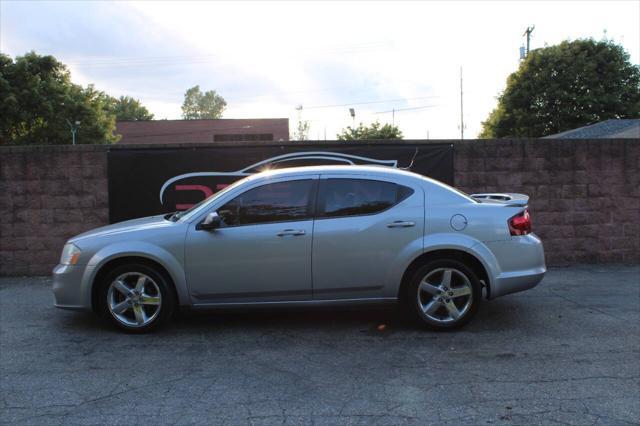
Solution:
(566, 86)
(38, 100)
(126, 108)
(373, 131)
(198, 105)
(302, 131)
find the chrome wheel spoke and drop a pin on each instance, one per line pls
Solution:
(121, 287)
(121, 307)
(429, 288)
(446, 278)
(459, 292)
(452, 309)
(141, 315)
(140, 283)
(149, 300)
(430, 307)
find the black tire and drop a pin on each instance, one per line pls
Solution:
(417, 299)
(167, 299)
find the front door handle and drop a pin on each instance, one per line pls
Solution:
(294, 232)
(401, 224)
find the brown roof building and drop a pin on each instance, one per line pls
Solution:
(203, 131)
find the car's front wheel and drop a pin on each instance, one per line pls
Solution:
(136, 298)
(444, 294)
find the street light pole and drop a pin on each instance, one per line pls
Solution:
(74, 129)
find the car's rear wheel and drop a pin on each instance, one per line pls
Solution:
(444, 294)
(136, 298)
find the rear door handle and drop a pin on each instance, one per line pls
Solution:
(401, 224)
(294, 232)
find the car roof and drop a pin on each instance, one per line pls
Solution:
(370, 171)
(342, 170)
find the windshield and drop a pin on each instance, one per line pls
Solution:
(196, 208)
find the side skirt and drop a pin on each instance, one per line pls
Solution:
(299, 303)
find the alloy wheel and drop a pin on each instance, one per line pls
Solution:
(445, 295)
(134, 299)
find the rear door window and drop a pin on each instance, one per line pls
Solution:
(356, 197)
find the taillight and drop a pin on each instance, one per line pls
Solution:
(520, 224)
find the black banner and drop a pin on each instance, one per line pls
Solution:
(145, 182)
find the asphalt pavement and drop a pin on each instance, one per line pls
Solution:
(565, 352)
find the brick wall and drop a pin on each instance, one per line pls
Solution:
(48, 194)
(585, 196)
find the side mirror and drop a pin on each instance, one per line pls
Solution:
(211, 222)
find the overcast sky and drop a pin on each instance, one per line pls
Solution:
(267, 58)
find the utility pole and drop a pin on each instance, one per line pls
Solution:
(527, 33)
(393, 116)
(461, 108)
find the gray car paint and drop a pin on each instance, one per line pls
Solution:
(353, 260)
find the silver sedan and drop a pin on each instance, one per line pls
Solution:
(326, 235)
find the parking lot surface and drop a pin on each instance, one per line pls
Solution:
(567, 351)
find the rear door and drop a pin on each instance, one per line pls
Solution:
(363, 226)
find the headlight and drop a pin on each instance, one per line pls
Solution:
(70, 254)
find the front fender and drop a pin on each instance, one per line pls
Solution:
(135, 249)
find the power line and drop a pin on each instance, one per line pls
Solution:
(325, 89)
(406, 109)
(231, 100)
(370, 102)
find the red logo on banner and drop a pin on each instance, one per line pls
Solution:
(206, 191)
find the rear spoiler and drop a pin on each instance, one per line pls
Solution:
(514, 200)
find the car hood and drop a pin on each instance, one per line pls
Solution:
(140, 224)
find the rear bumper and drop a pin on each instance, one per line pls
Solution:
(68, 291)
(511, 282)
(521, 264)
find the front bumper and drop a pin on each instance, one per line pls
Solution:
(68, 290)
(521, 264)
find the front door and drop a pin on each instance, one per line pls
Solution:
(262, 251)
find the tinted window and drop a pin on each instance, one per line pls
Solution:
(350, 197)
(275, 202)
